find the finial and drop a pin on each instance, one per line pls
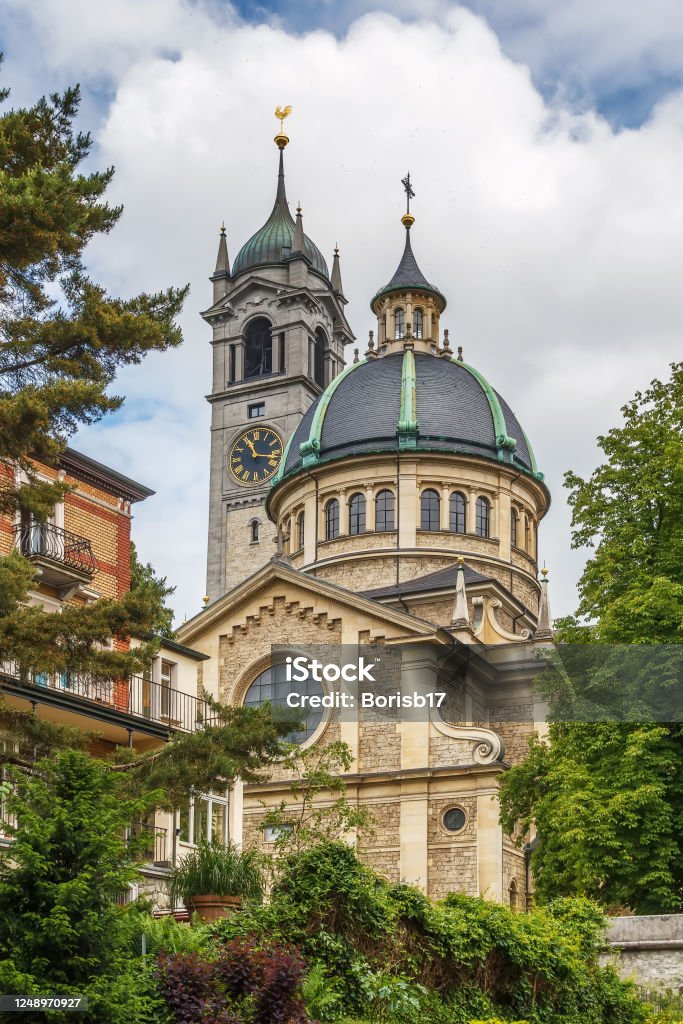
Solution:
(205, 600)
(336, 248)
(223, 228)
(446, 341)
(544, 627)
(460, 353)
(461, 561)
(371, 339)
(355, 356)
(460, 619)
(544, 571)
(281, 139)
(407, 219)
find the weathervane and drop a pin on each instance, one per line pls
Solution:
(408, 190)
(281, 113)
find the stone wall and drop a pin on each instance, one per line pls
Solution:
(648, 949)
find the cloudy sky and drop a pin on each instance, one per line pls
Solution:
(545, 142)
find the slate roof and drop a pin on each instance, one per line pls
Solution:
(408, 275)
(360, 412)
(442, 579)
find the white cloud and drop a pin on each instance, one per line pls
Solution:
(555, 240)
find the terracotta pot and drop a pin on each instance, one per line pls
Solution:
(212, 908)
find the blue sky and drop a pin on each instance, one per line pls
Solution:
(545, 142)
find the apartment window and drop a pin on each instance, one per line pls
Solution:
(483, 516)
(430, 506)
(204, 818)
(458, 512)
(257, 409)
(357, 513)
(384, 510)
(167, 678)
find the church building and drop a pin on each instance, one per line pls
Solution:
(389, 503)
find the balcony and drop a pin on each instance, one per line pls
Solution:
(135, 702)
(154, 838)
(64, 558)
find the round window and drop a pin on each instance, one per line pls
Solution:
(273, 686)
(454, 819)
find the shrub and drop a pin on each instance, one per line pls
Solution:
(462, 959)
(246, 982)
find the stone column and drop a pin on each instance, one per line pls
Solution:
(239, 359)
(407, 505)
(343, 514)
(236, 812)
(504, 517)
(369, 507)
(489, 840)
(444, 511)
(472, 510)
(418, 675)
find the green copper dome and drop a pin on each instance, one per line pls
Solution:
(273, 243)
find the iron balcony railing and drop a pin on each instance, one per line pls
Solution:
(136, 696)
(45, 540)
(155, 841)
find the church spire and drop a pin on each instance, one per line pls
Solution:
(222, 261)
(335, 279)
(544, 629)
(298, 242)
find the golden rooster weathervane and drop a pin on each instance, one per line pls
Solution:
(281, 113)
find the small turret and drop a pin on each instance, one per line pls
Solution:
(221, 274)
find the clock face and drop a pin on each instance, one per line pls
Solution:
(255, 455)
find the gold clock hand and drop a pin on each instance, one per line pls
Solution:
(250, 446)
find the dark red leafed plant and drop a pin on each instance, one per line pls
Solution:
(247, 982)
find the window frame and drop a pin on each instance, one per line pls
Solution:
(435, 506)
(418, 332)
(301, 529)
(483, 517)
(331, 521)
(255, 410)
(456, 514)
(357, 514)
(190, 809)
(265, 341)
(399, 323)
(382, 515)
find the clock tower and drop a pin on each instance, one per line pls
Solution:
(279, 332)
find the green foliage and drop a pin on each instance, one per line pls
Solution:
(217, 870)
(60, 928)
(144, 580)
(605, 791)
(63, 338)
(303, 821)
(448, 961)
(321, 995)
(162, 934)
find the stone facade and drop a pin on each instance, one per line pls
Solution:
(648, 949)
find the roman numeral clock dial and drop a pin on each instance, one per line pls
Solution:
(255, 455)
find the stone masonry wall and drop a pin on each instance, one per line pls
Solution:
(648, 949)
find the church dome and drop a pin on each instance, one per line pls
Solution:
(275, 241)
(408, 400)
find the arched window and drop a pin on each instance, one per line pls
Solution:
(418, 323)
(458, 513)
(300, 530)
(483, 516)
(514, 895)
(258, 348)
(513, 528)
(399, 323)
(527, 534)
(331, 519)
(430, 510)
(357, 513)
(272, 685)
(254, 530)
(384, 510)
(319, 346)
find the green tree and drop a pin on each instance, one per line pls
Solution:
(62, 340)
(604, 790)
(61, 932)
(304, 820)
(144, 581)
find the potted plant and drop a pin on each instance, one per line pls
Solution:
(214, 879)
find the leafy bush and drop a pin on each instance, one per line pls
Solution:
(246, 983)
(321, 995)
(217, 870)
(162, 934)
(458, 960)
